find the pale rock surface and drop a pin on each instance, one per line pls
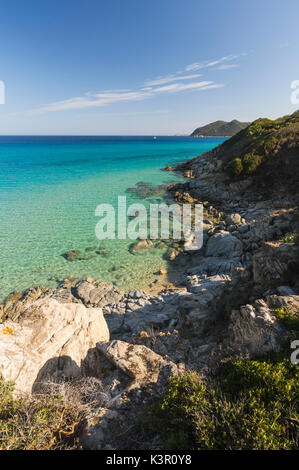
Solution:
(49, 338)
(254, 330)
(233, 219)
(96, 293)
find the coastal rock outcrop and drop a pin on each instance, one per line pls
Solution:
(274, 262)
(224, 244)
(254, 330)
(200, 308)
(137, 361)
(50, 340)
(96, 293)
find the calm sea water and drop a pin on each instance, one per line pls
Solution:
(49, 189)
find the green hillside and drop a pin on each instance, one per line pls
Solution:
(265, 148)
(220, 128)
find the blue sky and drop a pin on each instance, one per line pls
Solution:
(144, 67)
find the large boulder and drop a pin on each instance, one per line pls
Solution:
(17, 302)
(273, 263)
(146, 318)
(254, 329)
(96, 293)
(201, 308)
(213, 265)
(224, 244)
(137, 361)
(50, 340)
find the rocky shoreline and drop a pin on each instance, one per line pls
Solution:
(129, 343)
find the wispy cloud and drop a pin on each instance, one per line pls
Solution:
(94, 101)
(177, 87)
(173, 83)
(135, 113)
(227, 66)
(213, 63)
(104, 99)
(171, 78)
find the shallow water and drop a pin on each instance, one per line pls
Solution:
(49, 189)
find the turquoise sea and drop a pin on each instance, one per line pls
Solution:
(49, 189)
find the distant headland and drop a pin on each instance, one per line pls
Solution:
(220, 129)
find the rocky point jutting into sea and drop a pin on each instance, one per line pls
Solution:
(125, 345)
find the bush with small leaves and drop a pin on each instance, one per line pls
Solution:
(235, 167)
(251, 405)
(251, 162)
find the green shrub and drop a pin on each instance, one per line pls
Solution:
(251, 405)
(275, 144)
(290, 318)
(251, 162)
(235, 168)
(37, 422)
(291, 238)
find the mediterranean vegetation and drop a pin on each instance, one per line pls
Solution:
(264, 145)
(252, 404)
(38, 421)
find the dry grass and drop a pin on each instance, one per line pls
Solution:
(50, 420)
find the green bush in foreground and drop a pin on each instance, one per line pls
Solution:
(38, 422)
(252, 405)
(289, 318)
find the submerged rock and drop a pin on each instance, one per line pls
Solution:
(141, 245)
(171, 254)
(163, 271)
(72, 255)
(116, 268)
(102, 251)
